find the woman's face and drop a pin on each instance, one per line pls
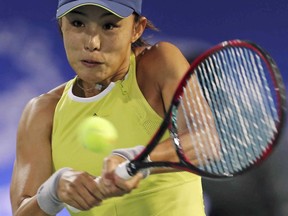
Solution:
(98, 43)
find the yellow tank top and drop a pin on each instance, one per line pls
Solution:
(122, 103)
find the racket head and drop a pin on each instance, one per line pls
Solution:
(243, 88)
(232, 101)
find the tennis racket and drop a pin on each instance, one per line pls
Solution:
(229, 109)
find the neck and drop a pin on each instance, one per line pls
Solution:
(91, 91)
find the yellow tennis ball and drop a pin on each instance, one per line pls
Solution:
(97, 134)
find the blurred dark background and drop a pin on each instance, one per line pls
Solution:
(32, 61)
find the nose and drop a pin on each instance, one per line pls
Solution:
(92, 43)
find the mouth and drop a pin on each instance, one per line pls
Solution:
(90, 63)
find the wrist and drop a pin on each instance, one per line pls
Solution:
(128, 153)
(47, 197)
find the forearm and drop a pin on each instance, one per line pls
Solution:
(194, 144)
(164, 151)
(28, 207)
(208, 149)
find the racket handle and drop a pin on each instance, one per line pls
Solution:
(122, 171)
(75, 210)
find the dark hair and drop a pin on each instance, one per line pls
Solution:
(141, 41)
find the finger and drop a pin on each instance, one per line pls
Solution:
(109, 166)
(111, 190)
(82, 192)
(85, 199)
(111, 163)
(93, 195)
(97, 190)
(128, 185)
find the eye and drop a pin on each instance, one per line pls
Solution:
(77, 23)
(109, 26)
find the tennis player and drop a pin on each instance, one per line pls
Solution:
(123, 79)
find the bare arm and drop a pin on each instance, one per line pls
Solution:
(33, 157)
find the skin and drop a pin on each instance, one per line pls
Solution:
(98, 48)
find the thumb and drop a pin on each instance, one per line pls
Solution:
(108, 171)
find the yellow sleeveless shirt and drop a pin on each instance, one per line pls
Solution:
(122, 103)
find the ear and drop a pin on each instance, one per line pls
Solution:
(139, 28)
(60, 26)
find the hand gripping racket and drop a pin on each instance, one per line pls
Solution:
(228, 109)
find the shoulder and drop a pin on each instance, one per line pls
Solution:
(162, 62)
(47, 100)
(161, 52)
(42, 107)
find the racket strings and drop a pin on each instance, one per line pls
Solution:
(199, 129)
(244, 96)
(264, 97)
(203, 71)
(240, 97)
(220, 113)
(223, 113)
(241, 108)
(257, 91)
